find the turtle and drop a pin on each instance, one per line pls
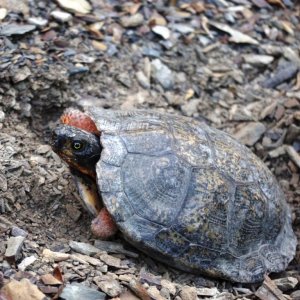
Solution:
(182, 192)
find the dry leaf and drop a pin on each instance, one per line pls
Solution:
(276, 2)
(57, 274)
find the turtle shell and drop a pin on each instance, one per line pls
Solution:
(191, 196)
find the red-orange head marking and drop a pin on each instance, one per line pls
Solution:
(79, 119)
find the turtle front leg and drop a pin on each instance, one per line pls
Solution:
(103, 226)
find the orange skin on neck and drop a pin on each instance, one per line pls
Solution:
(103, 226)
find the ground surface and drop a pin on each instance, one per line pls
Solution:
(187, 59)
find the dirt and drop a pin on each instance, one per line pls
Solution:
(57, 66)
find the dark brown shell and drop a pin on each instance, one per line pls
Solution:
(191, 196)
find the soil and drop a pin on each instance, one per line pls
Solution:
(57, 65)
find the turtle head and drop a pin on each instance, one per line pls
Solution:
(79, 148)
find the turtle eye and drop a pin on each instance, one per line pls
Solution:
(77, 145)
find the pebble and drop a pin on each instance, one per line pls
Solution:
(293, 154)
(188, 293)
(22, 290)
(61, 16)
(162, 74)
(169, 285)
(250, 133)
(286, 283)
(207, 292)
(154, 293)
(190, 107)
(143, 80)
(162, 31)
(83, 248)
(16, 231)
(14, 246)
(15, 29)
(277, 152)
(77, 291)
(3, 13)
(87, 259)
(132, 21)
(182, 28)
(2, 116)
(76, 6)
(56, 256)
(113, 247)
(26, 262)
(111, 260)
(111, 287)
(258, 60)
(295, 295)
(38, 21)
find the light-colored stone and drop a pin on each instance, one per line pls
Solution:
(83, 248)
(14, 246)
(162, 31)
(76, 291)
(250, 133)
(132, 21)
(287, 283)
(76, 6)
(110, 287)
(55, 256)
(258, 60)
(169, 285)
(26, 262)
(162, 74)
(188, 293)
(207, 292)
(61, 16)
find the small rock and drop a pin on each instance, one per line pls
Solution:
(84, 248)
(277, 152)
(75, 6)
(162, 31)
(26, 262)
(190, 107)
(286, 284)
(16, 231)
(111, 260)
(113, 247)
(15, 29)
(38, 21)
(14, 246)
(61, 16)
(49, 279)
(295, 295)
(111, 287)
(258, 60)
(207, 292)
(290, 103)
(22, 74)
(162, 74)
(182, 28)
(132, 21)
(3, 13)
(169, 285)
(188, 293)
(250, 133)
(22, 290)
(2, 116)
(87, 259)
(77, 291)
(143, 80)
(56, 256)
(154, 293)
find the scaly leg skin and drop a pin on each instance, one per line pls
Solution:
(103, 226)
